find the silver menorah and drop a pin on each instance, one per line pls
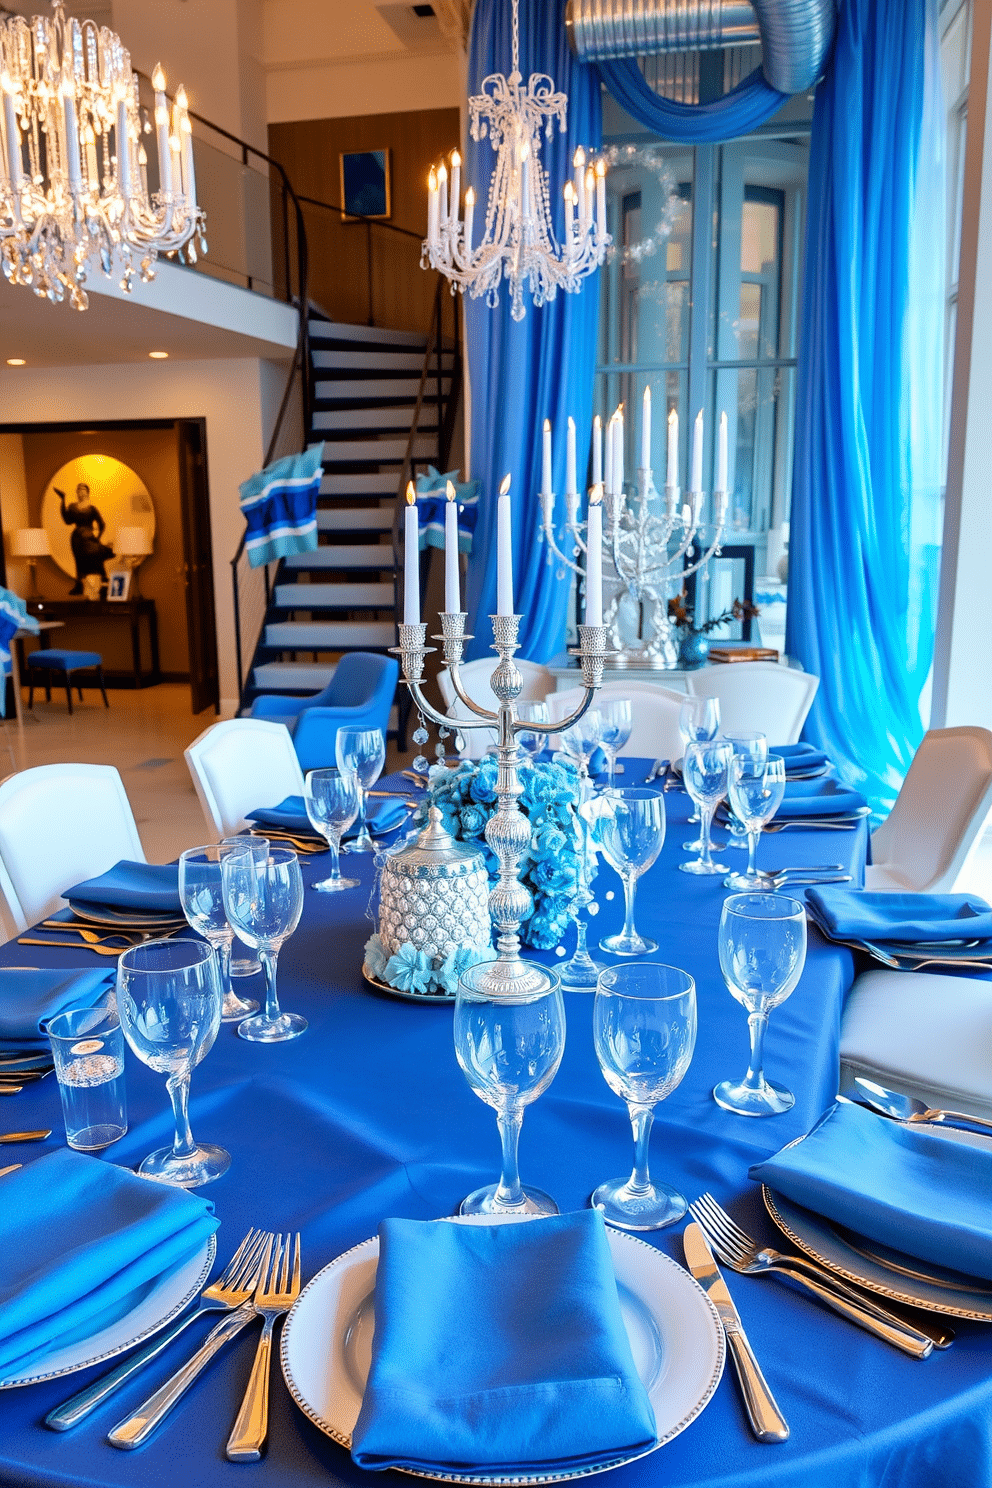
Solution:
(508, 831)
(645, 568)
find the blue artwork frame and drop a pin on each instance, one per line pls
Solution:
(366, 187)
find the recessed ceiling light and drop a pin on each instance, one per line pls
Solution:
(158, 356)
(16, 362)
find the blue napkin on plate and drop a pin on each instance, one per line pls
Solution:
(151, 887)
(499, 1346)
(29, 997)
(864, 914)
(823, 797)
(82, 1241)
(799, 757)
(291, 816)
(922, 1195)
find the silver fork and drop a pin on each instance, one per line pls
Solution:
(736, 1248)
(230, 1290)
(276, 1293)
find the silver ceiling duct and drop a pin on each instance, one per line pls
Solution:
(795, 35)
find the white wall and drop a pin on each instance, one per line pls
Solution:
(238, 399)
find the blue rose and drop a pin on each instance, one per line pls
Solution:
(449, 972)
(409, 970)
(473, 820)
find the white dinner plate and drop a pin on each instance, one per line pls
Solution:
(675, 1335)
(163, 1300)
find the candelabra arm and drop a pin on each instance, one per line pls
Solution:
(462, 695)
(527, 726)
(552, 542)
(443, 719)
(707, 555)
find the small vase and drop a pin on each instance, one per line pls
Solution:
(693, 651)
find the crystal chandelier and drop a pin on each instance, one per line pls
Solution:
(73, 169)
(519, 242)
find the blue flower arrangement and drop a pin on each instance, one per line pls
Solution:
(411, 970)
(466, 798)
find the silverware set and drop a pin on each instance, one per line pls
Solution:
(102, 938)
(15, 1074)
(912, 1112)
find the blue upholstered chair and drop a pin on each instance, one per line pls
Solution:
(359, 695)
(64, 664)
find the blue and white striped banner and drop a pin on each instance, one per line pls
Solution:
(432, 500)
(280, 507)
(13, 617)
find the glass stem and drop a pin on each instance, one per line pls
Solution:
(361, 810)
(334, 843)
(752, 848)
(509, 1194)
(756, 1025)
(223, 949)
(629, 890)
(611, 769)
(641, 1120)
(268, 960)
(178, 1088)
(706, 817)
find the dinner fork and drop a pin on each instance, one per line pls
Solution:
(275, 1295)
(91, 937)
(74, 945)
(736, 1248)
(233, 1288)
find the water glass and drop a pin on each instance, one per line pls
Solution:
(755, 790)
(630, 831)
(263, 901)
(529, 742)
(615, 731)
(333, 800)
(244, 966)
(753, 746)
(362, 752)
(203, 905)
(88, 1049)
(644, 1023)
(704, 770)
(762, 943)
(509, 1046)
(699, 720)
(168, 998)
(581, 740)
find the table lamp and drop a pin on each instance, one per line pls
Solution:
(132, 544)
(30, 543)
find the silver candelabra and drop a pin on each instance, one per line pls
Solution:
(508, 832)
(638, 544)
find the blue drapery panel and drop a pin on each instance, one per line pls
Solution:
(738, 112)
(865, 505)
(541, 367)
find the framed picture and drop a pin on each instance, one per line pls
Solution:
(365, 184)
(119, 583)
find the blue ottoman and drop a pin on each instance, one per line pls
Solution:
(64, 663)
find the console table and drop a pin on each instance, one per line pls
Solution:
(123, 611)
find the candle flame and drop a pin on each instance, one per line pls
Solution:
(432, 180)
(411, 494)
(456, 159)
(597, 423)
(142, 155)
(590, 179)
(699, 417)
(569, 192)
(174, 144)
(547, 428)
(579, 158)
(181, 99)
(158, 78)
(601, 168)
(504, 485)
(525, 151)
(442, 172)
(470, 197)
(672, 416)
(450, 490)
(596, 494)
(647, 395)
(571, 423)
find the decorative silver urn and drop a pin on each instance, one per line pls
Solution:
(435, 894)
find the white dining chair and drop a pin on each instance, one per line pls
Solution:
(758, 695)
(475, 675)
(654, 710)
(240, 764)
(923, 1034)
(926, 840)
(59, 824)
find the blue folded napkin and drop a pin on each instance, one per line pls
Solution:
(82, 1241)
(799, 757)
(291, 816)
(823, 797)
(499, 1346)
(862, 914)
(27, 998)
(923, 1195)
(151, 887)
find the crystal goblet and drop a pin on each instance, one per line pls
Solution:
(614, 732)
(755, 791)
(362, 751)
(630, 830)
(264, 901)
(699, 720)
(202, 898)
(754, 746)
(704, 770)
(333, 801)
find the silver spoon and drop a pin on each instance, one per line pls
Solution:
(908, 1109)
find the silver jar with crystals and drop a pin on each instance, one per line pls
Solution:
(434, 893)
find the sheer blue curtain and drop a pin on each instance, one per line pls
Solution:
(738, 112)
(541, 367)
(865, 505)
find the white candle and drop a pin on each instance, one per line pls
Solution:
(123, 143)
(162, 133)
(13, 132)
(570, 486)
(143, 167)
(597, 451)
(189, 172)
(469, 219)
(594, 558)
(442, 186)
(721, 507)
(608, 459)
(590, 188)
(687, 516)
(569, 213)
(618, 432)
(646, 430)
(72, 142)
(672, 479)
(696, 479)
(456, 182)
(504, 551)
(547, 484)
(601, 197)
(432, 208)
(452, 598)
(721, 459)
(525, 210)
(579, 165)
(92, 168)
(411, 556)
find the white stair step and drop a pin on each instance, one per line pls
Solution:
(291, 676)
(379, 555)
(376, 451)
(374, 418)
(396, 389)
(361, 519)
(337, 330)
(335, 596)
(368, 363)
(329, 635)
(382, 483)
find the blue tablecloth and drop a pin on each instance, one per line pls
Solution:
(368, 1115)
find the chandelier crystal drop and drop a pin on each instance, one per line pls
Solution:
(73, 168)
(518, 243)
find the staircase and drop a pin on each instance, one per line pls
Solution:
(370, 385)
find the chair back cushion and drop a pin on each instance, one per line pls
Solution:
(758, 695)
(941, 808)
(654, 711)
(241, 763)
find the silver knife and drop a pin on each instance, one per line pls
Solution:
(767, 1421)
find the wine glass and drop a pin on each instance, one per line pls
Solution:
(333, 800)
(581, 739)
(362, 751)
(531, 743)
(751, 745)
(509, 1045)
(263, 901)
(169, 1002)
(644, 1021)
(203, 905)
(756, 790)
(615, 731)
(699, 719)
(630, 830)
(581, 973)
(762, 943)
(704, 770)
(245, 966)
